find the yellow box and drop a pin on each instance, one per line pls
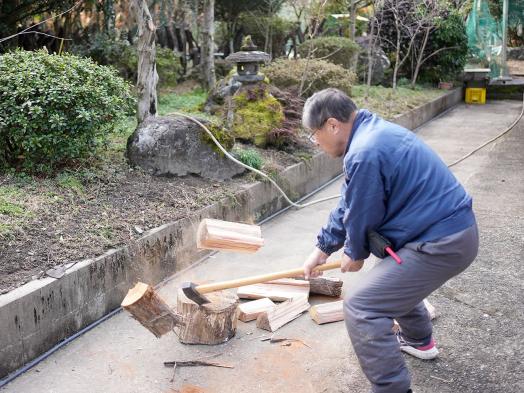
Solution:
(475, 95)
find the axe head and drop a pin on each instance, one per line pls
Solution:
(191, 292)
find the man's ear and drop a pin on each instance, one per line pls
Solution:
(333, 123)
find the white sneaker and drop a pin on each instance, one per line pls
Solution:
(422, 349)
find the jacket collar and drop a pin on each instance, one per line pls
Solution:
(362, 114)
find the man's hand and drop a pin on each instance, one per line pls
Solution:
(317, 257)
(349, 265)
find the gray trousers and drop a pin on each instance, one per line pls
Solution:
(391, 291)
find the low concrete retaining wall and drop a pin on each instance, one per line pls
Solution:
(41, 313)
(424, 113)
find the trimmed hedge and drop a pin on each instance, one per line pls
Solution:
(56, 108)
(285, 73)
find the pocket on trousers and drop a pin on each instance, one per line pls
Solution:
(420, 246)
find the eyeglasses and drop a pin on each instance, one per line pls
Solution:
(311, 136)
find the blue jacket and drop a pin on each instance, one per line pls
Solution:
(396, 185)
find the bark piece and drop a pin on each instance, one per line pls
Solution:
(229, 236)
(251, 310)
(194, 363)
(212, 323)
(151, 310)
(327, 312)
(282, 314)
(330, 286)
(275, 292)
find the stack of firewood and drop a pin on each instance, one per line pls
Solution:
(294, 295)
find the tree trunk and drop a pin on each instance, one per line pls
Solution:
(353, 19)
(397, 55)
(232, 35)
(212, 323)
(171, 39)
(147, 76)
(268, 27)
(208, 59)
(193, 49)
(294, 48)
(109, 17)
(370, 55)
(420, 58)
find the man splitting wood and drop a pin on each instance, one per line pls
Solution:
(398, 187)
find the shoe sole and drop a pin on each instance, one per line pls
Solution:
(424, 355)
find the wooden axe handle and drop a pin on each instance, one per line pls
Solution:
(217, 286)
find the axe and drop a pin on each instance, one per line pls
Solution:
(196, 292)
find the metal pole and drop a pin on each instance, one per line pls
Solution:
(504, 68)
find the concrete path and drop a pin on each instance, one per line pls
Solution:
(479, 327)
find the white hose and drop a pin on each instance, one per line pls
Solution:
(492, 139)
(300, 206)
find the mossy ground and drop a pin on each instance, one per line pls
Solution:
(224, 137)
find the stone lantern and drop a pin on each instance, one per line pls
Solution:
(248, 61)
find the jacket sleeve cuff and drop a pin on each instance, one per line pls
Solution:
(327, 249)
(356, 256)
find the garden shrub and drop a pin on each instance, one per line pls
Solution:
(249, 157)
(446, 65)
(256, 24)
(341, 26)
(56, 108)
(321, 74)
(339, 49)
(107, 50)
(168, 67)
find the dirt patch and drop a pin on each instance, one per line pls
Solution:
(83, 213)
(284, 366)
(191, 389)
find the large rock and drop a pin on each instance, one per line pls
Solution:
(380, 62)
(176, 146)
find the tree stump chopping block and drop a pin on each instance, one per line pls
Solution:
(212, 323)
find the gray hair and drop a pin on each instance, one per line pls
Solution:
(325, 104)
